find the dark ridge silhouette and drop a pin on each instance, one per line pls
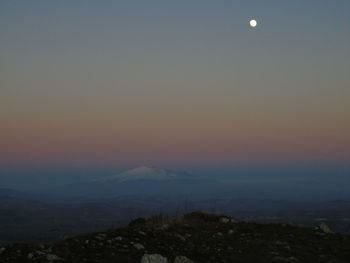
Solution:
(195, 237)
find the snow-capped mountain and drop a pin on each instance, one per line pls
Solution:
(143, 180)
(146, 173)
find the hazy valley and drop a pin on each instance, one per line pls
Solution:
(113, 201)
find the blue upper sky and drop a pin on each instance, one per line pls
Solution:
(173, 83)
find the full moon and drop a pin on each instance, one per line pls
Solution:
(253, 23)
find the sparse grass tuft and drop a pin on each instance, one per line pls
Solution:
(159, 220)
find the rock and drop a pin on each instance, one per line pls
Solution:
(234, 220)
(283, 245)
(30, 256)
(224, 220)
(163, 227)
(287, 260)
(230, 232)
(288, 248)
(182, 259)
(153, 258)
(53, 257)
(142, 233)
(182, 238)
(139, 246)
(323, 226)
(2, 250)
(118, 238)
(101, 236)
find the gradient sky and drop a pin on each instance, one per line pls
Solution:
(100, 83)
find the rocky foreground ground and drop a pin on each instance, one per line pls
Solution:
(197, 237)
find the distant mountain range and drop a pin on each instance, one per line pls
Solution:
(144, 180)
(9, 192)
(155, 181)
(145, 191)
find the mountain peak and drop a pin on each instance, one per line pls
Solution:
(146, 173)
(144, 169)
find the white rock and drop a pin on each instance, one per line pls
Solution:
(153, 258)
(224, 220)
(182, 259)
(323, 226)
(183, 239)
(30, 256)
(234, 220)
(52, 257)
(283, 259)
(101, 236)
(119, 238)
(40, 253)
(163, 227)
(219, 234)
(139, 246)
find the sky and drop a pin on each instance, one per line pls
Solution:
(173, 83)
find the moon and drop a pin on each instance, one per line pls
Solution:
(253, 23)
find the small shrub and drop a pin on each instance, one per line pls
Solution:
(200, 216)
(137, 222)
